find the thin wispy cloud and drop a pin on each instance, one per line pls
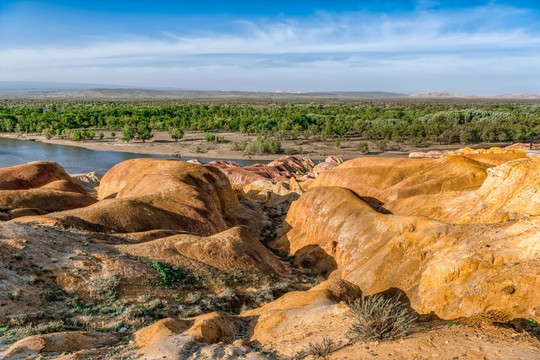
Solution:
(476, 50)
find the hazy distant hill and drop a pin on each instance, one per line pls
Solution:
(447, 95)
(29, 86)
(183, 94)
(33, 89)
(436, 94)
(22, 89)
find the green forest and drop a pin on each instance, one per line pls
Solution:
(415, 123)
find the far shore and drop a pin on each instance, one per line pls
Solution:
(162, 144)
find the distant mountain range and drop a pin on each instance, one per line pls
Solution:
(31, 89)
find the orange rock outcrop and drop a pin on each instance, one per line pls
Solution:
(147, 194)
(475, 265)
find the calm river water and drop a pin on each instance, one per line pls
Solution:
(74, 160)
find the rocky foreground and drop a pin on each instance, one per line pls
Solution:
(163, 259)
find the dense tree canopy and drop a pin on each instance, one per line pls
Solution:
(413, 122)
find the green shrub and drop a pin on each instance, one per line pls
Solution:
(128, 133)
(363, 148)
(380, 318)
(76, 135)
(48, 133)
(176, 133)
(210, 137)
(260, 147)
(88, 135)
(290, 151)
(144, 132)
(173, 277)
(337, 143)
(382, 145)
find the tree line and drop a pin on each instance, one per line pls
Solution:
(417, 123)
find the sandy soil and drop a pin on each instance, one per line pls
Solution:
(471, 341)
(162, 144)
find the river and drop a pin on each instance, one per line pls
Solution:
(74, 160)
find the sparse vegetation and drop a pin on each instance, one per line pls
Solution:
(173, 277)
(362, 148)
(318, 350)
(382, 145)
(49, 294)
(104, 285)
(210, 137)
(379, 318)
(19, 333)
(260, 147)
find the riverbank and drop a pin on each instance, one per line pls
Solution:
(194, 145)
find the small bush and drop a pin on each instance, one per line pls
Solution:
(76, 135)
(290, 151)
(104, 285)
(265, 295)
(380, 318)
(227, 294)
(173, 277)
(193, 311)
(209, 303)
(20, 320)
(192, 298)
(362, 148)
(337, 143)
(210, 137)
(88, 135)
(197, 149)
(320, 350)
(49, 295)
(176, 133)
(259, 147)
(48, 133)
(382, 145)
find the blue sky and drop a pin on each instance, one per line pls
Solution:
(468, 47)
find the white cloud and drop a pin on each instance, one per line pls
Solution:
(423, 51)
